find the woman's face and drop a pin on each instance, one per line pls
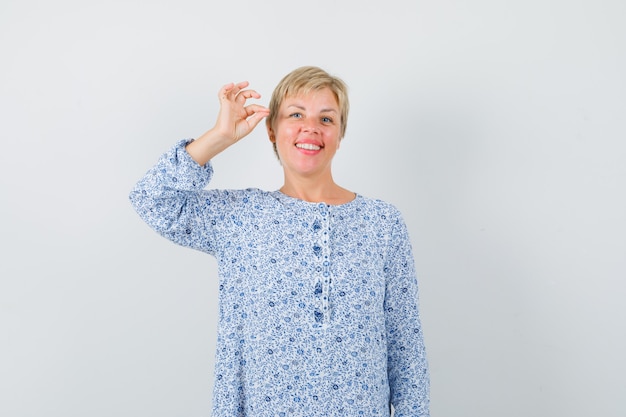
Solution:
(307, 130)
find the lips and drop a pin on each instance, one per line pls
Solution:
(308, 146)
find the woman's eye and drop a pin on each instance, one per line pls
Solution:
(296, 115)
(327, 120)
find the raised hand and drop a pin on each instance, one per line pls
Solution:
(234, 121)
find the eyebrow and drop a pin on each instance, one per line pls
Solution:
(321, 111)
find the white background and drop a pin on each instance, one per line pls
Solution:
(497, 127)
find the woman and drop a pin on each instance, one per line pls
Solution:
(318, 311)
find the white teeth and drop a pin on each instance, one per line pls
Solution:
(308, 146)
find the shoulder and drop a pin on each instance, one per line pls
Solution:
(383, 209)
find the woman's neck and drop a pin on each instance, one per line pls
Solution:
(316, 190)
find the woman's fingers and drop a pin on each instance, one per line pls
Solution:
(255, 115)
(234, 115)
(246, 94)
(232, 90)
(256, 109)
(223, 92)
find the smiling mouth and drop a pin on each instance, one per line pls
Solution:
(308, 146)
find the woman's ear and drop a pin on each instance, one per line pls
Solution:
(270, 132)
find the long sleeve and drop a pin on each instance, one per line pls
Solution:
(171, 200)
(407, 365)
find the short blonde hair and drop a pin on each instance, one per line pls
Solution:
(303, 80)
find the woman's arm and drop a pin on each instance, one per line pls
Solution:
(171, 198)
(407, 366)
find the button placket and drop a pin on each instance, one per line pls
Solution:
(322, 251)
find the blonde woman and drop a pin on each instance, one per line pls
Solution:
(318, 298)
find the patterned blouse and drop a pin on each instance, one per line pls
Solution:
(318, 304)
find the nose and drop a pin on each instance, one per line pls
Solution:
(310, 126)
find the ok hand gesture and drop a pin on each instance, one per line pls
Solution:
(234, 121)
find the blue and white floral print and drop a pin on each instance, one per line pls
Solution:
(318, 312)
